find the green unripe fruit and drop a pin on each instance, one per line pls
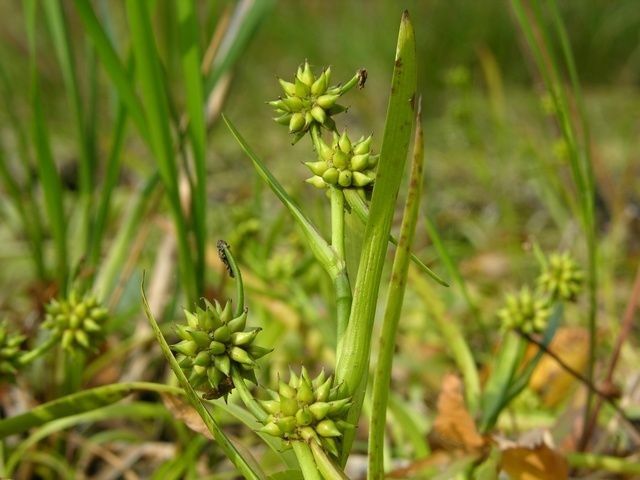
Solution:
(203, 359)
(241, 356)
(344, 143)
(316, 181)
(326, 428)
(288, 406)
(286, 424)
(288, 87)
(360, 179)
(319, 115)
(222, 334)
(217, 348)
(327, 101)
(360, 162)
(271, 429)
(222, 363)
(186, 347)
(317, 168)
(297, 122)
(340, 159)
(303, 417)
(319, 410)
(344, 180)
(320, 85)
(331, 176)
(201, 338)
(244, 338)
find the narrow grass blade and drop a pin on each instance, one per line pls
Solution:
(525, 374)
(502, 373)
(362, 212)
(75, 403)
(47, 171)
(353, 363)
(191, 60)
(395, 299)
(246, 20)
(111, 267)
(59, 33)
(232, 453)
(321, 249)
(136, 410)
(112, 64)
(110, 182)
(32, 217)
(158, 116)
(577, 138)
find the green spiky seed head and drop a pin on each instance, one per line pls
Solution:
(561, 278)
(214, 343)
(309, 410)
(10, 353)
(525, 311)
(79, 321)
(309, 100)
(344, 164)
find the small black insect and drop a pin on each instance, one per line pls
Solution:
(224, 388)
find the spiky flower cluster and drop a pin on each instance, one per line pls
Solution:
(309, 410)
(79, 321)
(343, 164)
(525, 311)
(213, 344)
(9, 352)
(310, 101)
(561, 278)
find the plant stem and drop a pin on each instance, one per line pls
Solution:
(395, 297)
(306, 460)
(326, 466)
(248, 400)
(586, 381)
(601, 463)
(337, 221)
(39, 350)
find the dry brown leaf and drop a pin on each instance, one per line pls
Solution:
(538, 462)
(549, 379)
(454, 428)
(185, 412)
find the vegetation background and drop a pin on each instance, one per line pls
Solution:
(497, 182)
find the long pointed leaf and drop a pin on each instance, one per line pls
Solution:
(321, 249)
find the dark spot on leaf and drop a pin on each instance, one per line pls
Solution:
(362, 77)
(412, 101)
(222, 246)
(398, 62)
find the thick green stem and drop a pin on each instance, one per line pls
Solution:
(327, 467)
(395, 298)
(306, 460)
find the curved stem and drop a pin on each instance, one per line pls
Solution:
(248, 400)
(40, 350)
(224, 252)
(306, 460)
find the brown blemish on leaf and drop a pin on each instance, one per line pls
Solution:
(362, 77)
